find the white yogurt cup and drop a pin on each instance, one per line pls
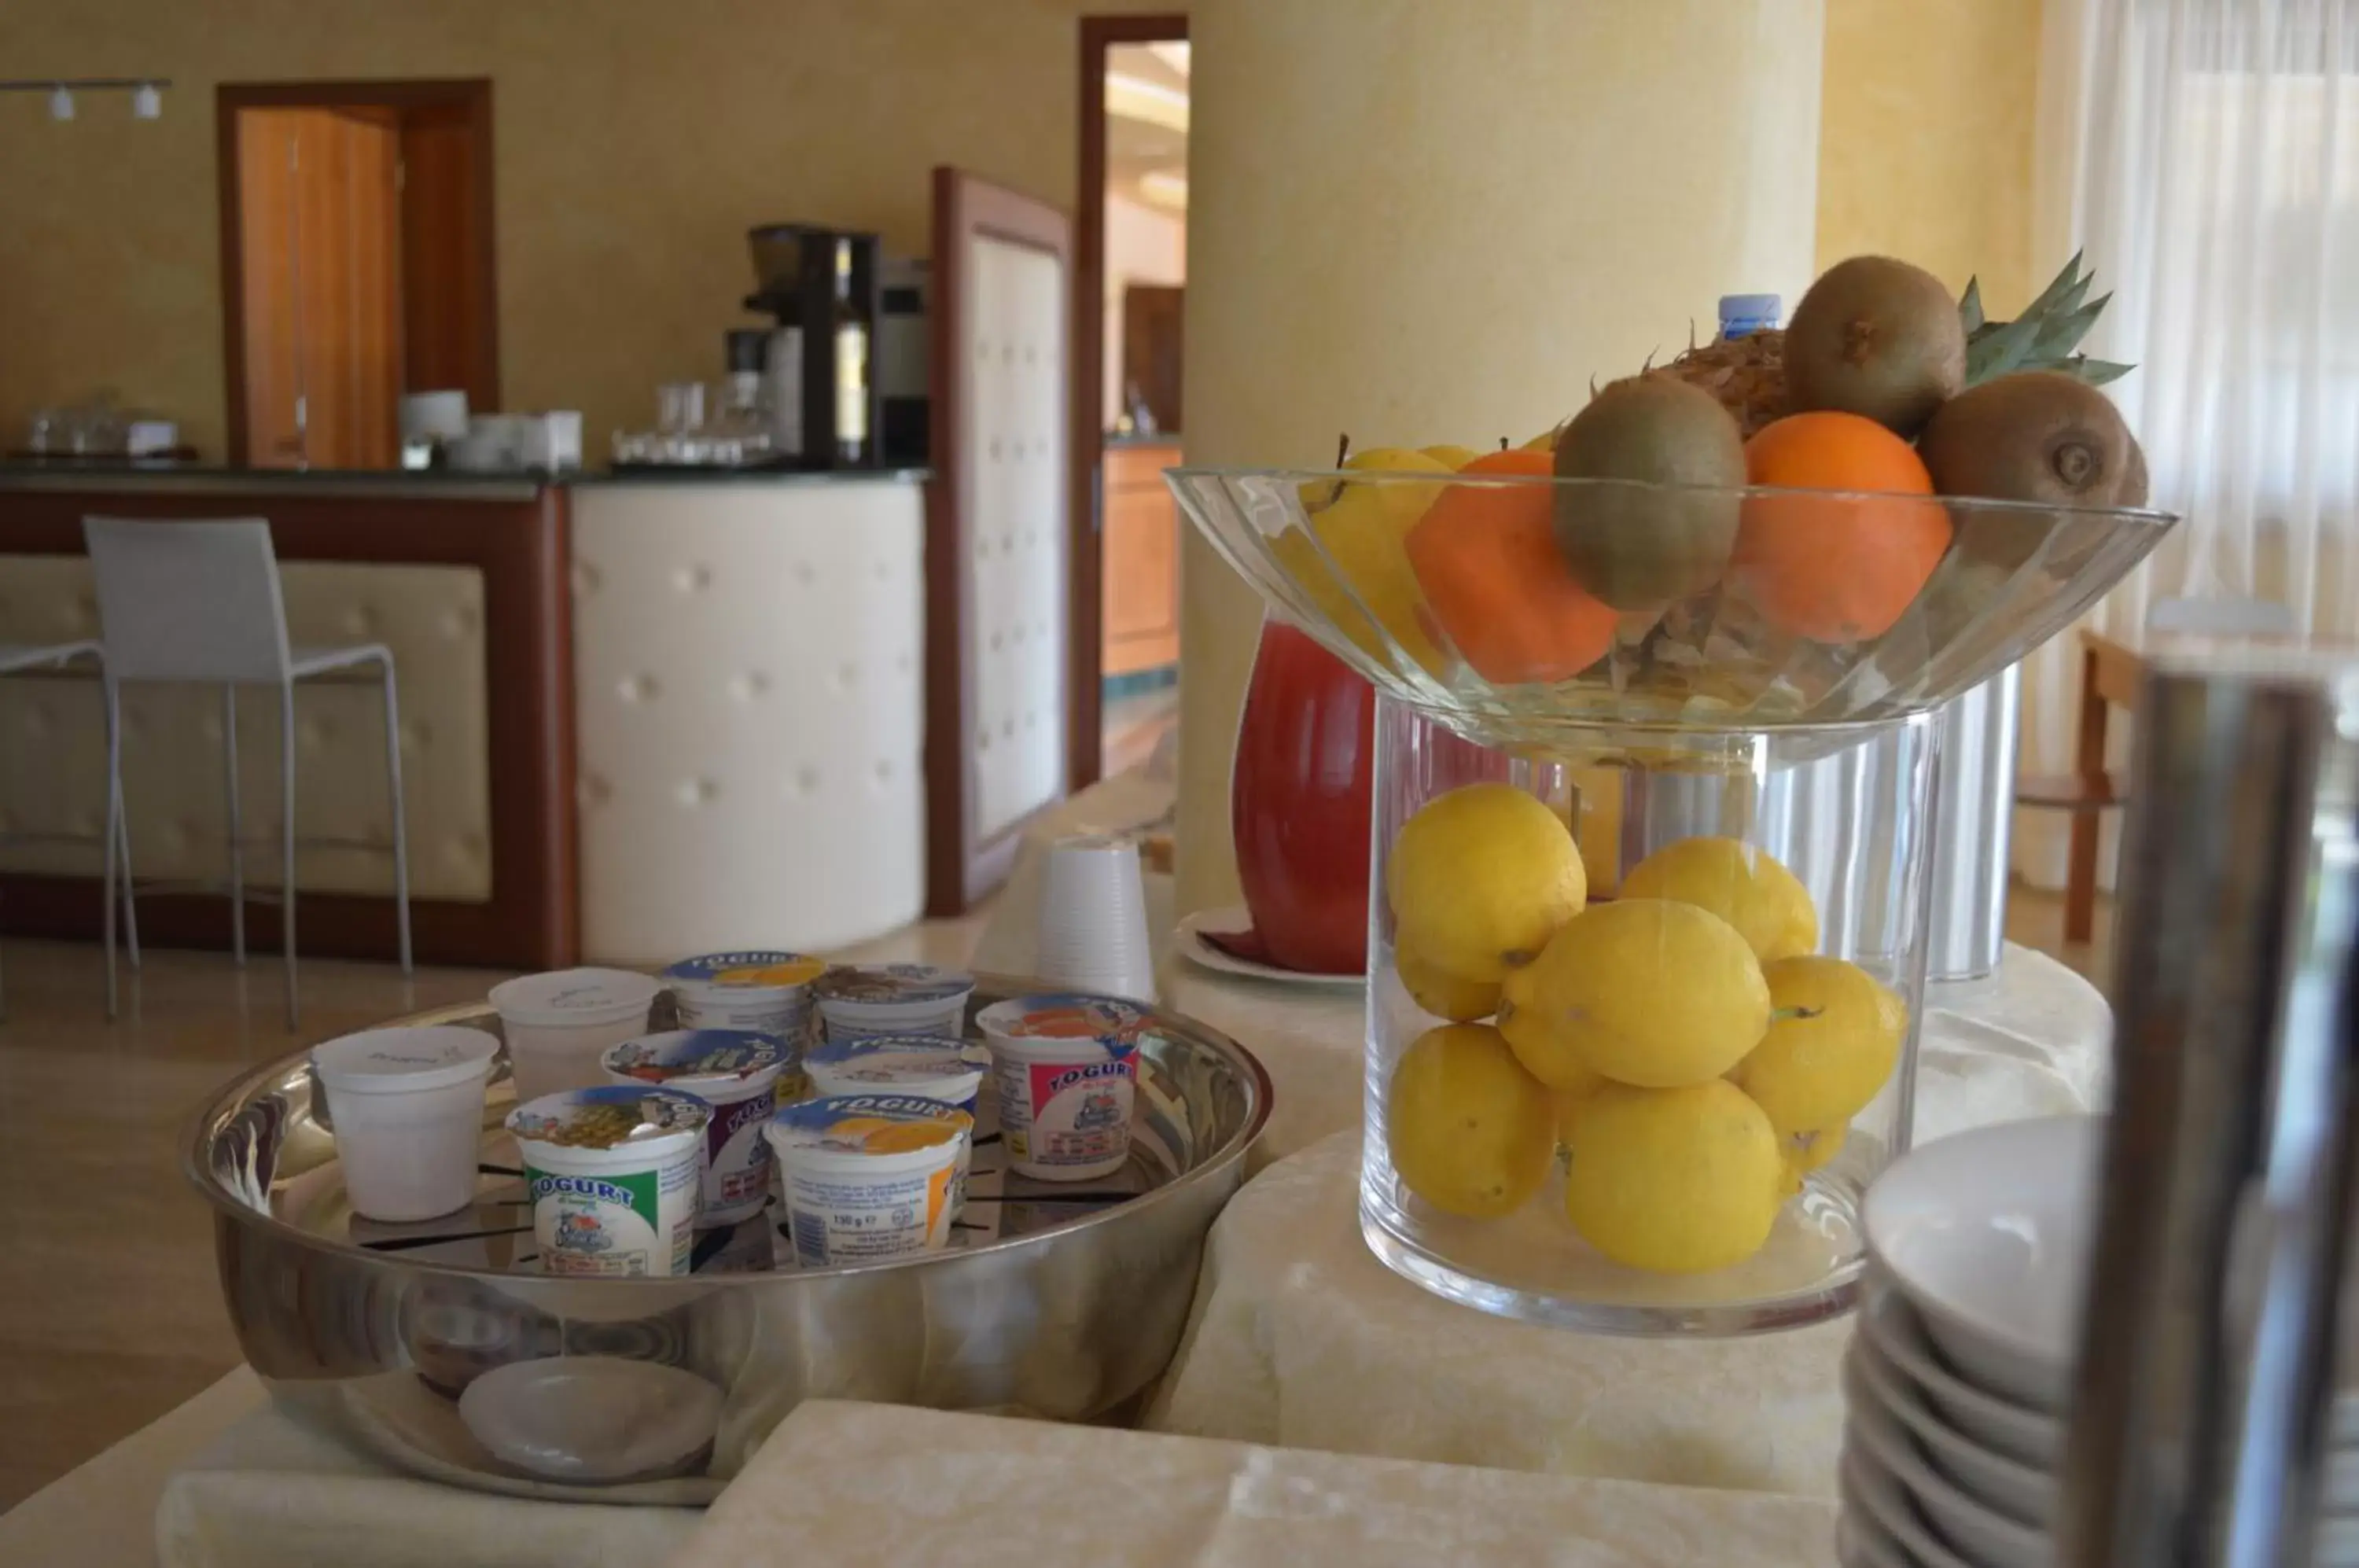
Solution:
(614, 1173)
(736, 1074)
(764, 991)
(932, 1067)
(868, 1176)
(893, 998)
(407, 1109)
(1066, 1069)
(558, 1024)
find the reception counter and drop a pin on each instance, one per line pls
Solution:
(639, 717)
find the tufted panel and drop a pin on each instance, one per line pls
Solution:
(1015, 439)
(749, 705)
(53, 747)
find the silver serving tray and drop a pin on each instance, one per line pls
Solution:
(1060, 1300)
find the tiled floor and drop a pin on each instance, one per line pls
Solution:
(109, 1313)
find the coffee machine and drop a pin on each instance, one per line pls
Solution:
(820, 287)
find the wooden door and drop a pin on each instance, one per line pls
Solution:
(1141, 556)
(1153, 318)
(319, 226)
(449, 313)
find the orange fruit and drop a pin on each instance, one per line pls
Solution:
(1836, 569)
(1495, 584)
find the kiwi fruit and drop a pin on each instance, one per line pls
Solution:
(2034, 435)
(1876, 337)
(2133, 486)
(1633, 546)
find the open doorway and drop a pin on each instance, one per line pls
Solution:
(357, 263)
(1131, 251)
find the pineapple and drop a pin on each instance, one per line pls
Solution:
(1748, 375)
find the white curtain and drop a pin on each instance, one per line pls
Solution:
(2205, 154)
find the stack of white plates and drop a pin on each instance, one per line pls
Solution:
(1958, 1379)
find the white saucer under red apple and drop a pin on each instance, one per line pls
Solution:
(1193, 935)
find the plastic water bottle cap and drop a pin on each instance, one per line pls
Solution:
(1742, 313)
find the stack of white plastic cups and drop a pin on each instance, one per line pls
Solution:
(1092, 931)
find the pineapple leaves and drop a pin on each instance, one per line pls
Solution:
(1970, 307)
(2043, 337)
(2063, 291)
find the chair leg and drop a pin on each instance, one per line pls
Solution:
(236, 826)
(400, 829)
(122, 827)
(287, 831)
(130, 888)
(114, 834)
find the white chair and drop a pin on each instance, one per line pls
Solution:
(198, 602)
(18, 659)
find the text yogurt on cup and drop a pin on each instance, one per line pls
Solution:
(933, 1067)
(768, 992)
(613, 1174)
(1066, 1069)
(868, 1176)
(893, 998)
(558, 1024)
(736, 1074)
(407, 1105)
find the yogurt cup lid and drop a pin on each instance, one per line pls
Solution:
(868, 1124)
(1066, 1015)
(886, 1059)
(755, 971)
(585, 997)
(404, 1060)
(613, 1115)
(679, 1056)
(892, 985)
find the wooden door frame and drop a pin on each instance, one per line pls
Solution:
(962, 865)
(1085, 718)
(470, 95)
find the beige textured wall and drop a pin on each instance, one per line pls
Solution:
(637, 143)
(1485, 207)
(1926, 139)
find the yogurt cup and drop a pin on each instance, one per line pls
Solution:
(855, 1002)
(933, 1067)
(867, 1176)
(736, 1074)
(558, 1024)
(765, 991)
(407, 1108)
(1065, 1067)
(614, 1173)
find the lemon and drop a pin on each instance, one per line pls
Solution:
(1480, 877)
(1741, 884)
(1832, 1047)
(1468, 1128)
(1440, 993)
(1642, 991)
(1364, 572)
(1808, 1152)
(1674, 1181)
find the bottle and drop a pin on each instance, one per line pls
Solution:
(853, 444)
(1742, 315)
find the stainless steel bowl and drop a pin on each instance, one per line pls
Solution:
(1054, 1300)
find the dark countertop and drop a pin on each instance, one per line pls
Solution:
(1114, 442)
(427, 484)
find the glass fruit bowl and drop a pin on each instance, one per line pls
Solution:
(1627, 1071)
(1643, 1012)
(1511, 602)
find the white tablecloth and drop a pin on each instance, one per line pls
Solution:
(852, 1485)
(1300, 1337)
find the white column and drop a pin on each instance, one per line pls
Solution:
(1421, 220)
